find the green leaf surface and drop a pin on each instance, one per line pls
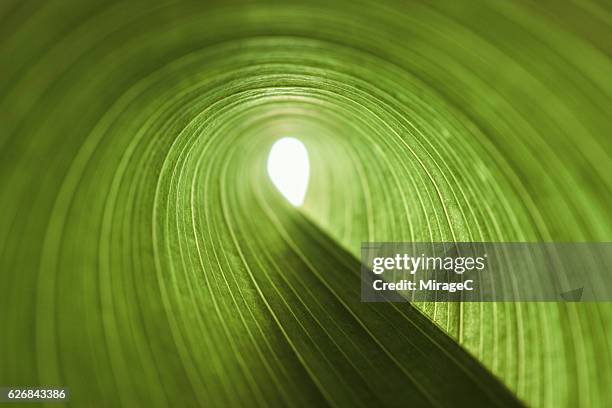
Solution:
(147, 260)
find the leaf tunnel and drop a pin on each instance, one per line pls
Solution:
(148, 260)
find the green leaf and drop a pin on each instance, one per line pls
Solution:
(147, 260)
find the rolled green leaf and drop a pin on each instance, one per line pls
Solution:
(146, 259)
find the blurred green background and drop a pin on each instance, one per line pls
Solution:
(146, 259)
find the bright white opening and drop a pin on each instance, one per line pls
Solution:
(289, 169)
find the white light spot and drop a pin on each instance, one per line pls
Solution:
(289, 169)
